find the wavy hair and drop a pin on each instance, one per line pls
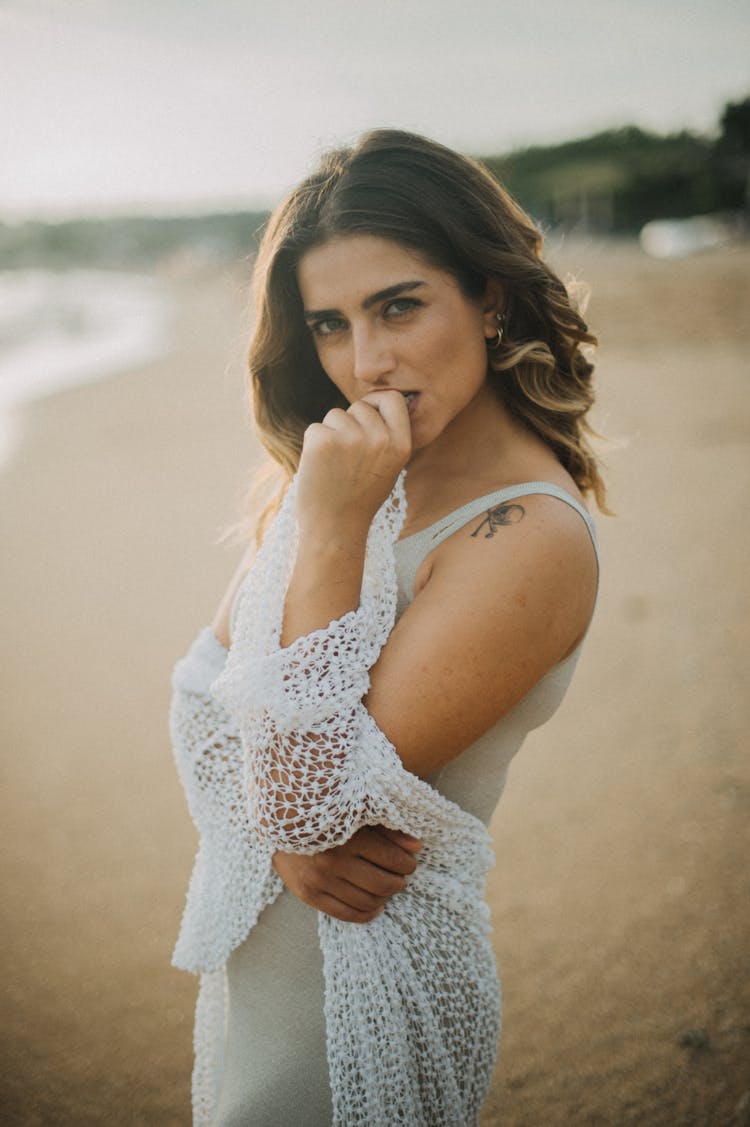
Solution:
(447, 207)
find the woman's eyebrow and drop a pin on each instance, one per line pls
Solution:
(373, 299)
(390, 291)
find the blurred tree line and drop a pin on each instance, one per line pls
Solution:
(131, 242)
(613, 183)
(616, 181)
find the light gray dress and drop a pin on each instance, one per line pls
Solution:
(276, 1072)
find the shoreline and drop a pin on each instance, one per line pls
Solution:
(65, 328)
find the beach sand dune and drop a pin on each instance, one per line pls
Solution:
(620, 895)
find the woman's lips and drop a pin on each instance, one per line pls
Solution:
(412, 398)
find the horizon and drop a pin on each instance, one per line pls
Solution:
(197, 208)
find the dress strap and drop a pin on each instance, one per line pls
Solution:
(442, 529)
(411, 550)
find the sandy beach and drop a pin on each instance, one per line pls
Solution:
(620, 897)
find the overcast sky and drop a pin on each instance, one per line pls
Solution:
(113, 103)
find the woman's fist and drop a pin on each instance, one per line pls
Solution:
(350, 462)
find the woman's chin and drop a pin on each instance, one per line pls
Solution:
(421, 437)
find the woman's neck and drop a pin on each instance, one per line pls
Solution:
(483, 449)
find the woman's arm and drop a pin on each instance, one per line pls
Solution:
(493, 613)
(353, 881)
(455, 663)
(491, 616)
(486, 624)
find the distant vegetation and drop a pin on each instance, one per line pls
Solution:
(131, 242)
(612, 183)
(616, 181)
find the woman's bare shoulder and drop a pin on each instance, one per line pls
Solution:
(535, 522)
(501, 603)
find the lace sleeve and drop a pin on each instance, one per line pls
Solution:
(232, 879)
(317, 764)
(205, 743)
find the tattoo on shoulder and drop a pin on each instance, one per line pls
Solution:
(509, 513)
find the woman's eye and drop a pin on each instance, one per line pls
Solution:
(327, 327)
(399, 306)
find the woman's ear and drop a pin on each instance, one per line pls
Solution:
(493, 305)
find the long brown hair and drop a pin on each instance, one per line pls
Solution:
(446, 206)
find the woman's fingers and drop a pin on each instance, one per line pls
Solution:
(326, 870)
(390, 406)
(319, 885)
(370, 878)
(361, 894)
(403, 840)
(379, 419)
(341, 911)
(353, 881)
(356, 897)
(389, 850)
(349, 464)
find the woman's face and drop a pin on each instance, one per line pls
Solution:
(381, 316)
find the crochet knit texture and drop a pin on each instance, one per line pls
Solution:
(275, 750)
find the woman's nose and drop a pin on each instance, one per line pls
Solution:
(373, 360)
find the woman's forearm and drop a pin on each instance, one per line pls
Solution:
(311, 747)
(325, 584)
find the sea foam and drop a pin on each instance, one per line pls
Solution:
(70, 327)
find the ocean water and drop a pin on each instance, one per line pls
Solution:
(60, 328)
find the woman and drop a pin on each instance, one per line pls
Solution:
(394, 641)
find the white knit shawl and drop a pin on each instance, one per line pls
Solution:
(280, 753)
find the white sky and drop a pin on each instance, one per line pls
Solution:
(107, 104)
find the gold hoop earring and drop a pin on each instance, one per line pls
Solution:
(493, 345)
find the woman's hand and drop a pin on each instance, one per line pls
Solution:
(350, 463)
(348, 467)
(353, 881)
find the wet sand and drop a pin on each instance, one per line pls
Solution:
(620, 895)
